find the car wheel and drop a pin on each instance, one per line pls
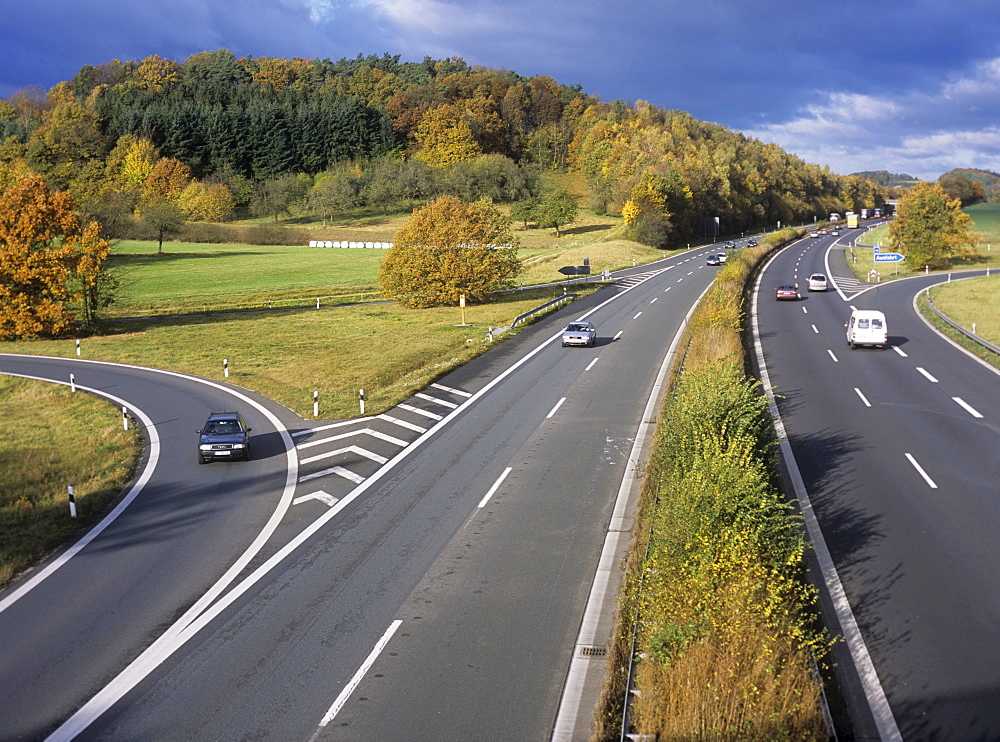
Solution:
(202, 460)
(246, 453)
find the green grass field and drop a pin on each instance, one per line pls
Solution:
(193, 277)
(387, 350)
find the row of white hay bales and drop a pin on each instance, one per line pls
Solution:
(328, 243)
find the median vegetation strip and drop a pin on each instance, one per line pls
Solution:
(723, 620)
(41, 455)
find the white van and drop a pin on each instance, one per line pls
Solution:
(867, 327)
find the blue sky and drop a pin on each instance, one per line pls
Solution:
(907, 86)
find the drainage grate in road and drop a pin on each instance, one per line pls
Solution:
(593, 651)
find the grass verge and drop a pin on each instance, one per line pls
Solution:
(950, 332)
(41, 455)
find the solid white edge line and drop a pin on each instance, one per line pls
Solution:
(874, 692)
(360, 674)
(920, 471)
(494, 488)
(967, 407)
(572, 695)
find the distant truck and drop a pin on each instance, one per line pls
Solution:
(834, 216)
(864, 213)
(852, 220)
(878, 213)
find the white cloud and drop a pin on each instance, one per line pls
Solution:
(922, 132)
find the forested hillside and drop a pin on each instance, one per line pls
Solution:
(201, 139)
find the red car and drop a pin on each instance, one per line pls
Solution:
(786, 292)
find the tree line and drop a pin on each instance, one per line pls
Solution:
(155, 143)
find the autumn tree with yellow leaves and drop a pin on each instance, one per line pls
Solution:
(448, 249)
(49, 262)
(445, 137)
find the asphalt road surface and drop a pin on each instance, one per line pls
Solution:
(422, 574)
(897, 451)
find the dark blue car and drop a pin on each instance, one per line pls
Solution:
(224, 437)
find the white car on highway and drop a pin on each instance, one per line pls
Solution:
(818, 282)
(579, 333)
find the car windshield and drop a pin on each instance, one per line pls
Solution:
(577, 327)
(222, 427)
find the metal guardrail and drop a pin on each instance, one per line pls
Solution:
(975, 338)
(519, 318)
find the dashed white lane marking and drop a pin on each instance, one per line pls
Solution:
(324, 497)
(637, 316)
(920, 470)
(459, 392)
(494, 488)
(341, 699)
(554, 409)
(402, 423)
(815, 330)
(338, 470)
(927, 375)
(418, 411)
(835, 359)
(863, 398)
(966, 407)
(437, 400)
(618, 335)
(899, 350)
(591, 364)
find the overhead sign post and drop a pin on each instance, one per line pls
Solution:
(889, 257)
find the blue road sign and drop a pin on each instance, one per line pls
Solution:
(888, 257)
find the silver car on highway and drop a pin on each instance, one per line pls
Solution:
(579, 333)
